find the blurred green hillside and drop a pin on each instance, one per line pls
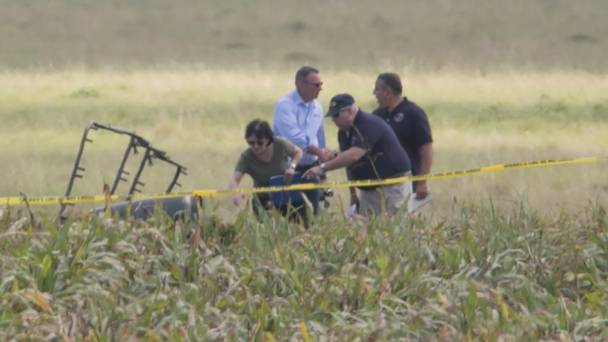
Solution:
(336, 34)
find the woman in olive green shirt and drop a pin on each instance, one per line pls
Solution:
(266, 156)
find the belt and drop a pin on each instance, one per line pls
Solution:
(374, 188)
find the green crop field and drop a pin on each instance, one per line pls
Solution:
(509, 256)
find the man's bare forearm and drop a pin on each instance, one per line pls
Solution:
(426, 158)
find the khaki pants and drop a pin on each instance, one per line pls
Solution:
(384, 199)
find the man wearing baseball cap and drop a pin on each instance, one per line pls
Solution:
(369, 150)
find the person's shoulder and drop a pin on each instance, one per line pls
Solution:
(282, 145)
(245, 160)
(289, 96)
(368, 117)
(407, 106)
(246, 154)
(368, 122)
(379, 111)
(281, 141)
(286, 101)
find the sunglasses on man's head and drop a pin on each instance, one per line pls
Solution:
(257, 142)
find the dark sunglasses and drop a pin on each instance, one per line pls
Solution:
(316, 85)
(257, 142)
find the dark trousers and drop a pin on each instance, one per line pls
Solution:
(295, 212)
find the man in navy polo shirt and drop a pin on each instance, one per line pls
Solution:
(410, 123)
(370, 150)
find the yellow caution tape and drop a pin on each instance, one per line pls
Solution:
(49, 200)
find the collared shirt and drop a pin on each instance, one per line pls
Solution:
(412, 127)
(385, 158)
(300, 122)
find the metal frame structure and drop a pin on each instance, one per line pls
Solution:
(135, 142)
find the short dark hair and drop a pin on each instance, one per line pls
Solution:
(260, 129)
(392, 82)
(304, 71)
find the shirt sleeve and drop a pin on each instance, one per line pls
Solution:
(285, 125)
(366, 136)
(288, 147)
(241, 165)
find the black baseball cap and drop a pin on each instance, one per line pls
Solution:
(338, 103)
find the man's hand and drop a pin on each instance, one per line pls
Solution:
(421, 190)
(313, 172)
(312, 149)
(323, 153)
(288, 175)
(327, 155)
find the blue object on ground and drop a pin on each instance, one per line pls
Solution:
(178, 208)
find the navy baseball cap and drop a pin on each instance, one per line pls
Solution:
(338, 103)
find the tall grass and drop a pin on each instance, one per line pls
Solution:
(485, 273)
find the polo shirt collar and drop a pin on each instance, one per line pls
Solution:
(398, 108)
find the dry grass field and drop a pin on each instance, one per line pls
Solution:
(433, 35)
(198, 116)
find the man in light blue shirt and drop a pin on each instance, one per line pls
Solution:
(298, 117)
